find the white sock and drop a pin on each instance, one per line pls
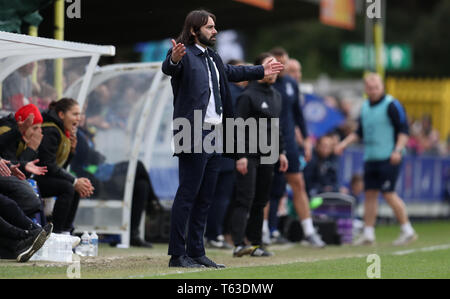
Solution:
(369, 232)
(265, 226)
(407, 228)
(307, 226)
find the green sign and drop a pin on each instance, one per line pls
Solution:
(397, 57)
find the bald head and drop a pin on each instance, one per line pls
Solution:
(294, 69)
(374, 86)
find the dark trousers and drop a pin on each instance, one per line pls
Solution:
(252, 195)
(221, 199)
(276, 193)
(66, 204)
(142, 192)
(21, 192)
(198, 175)
(13, 223)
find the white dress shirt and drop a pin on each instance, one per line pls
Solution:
(211, 116)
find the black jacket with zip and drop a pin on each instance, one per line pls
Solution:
(259, 101)
(47, 152)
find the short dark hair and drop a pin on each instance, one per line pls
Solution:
(261, 57)
(194, 20)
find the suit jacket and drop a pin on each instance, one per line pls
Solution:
(190, 84)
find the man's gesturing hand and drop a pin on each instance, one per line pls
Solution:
(272, 67)
(178, 51)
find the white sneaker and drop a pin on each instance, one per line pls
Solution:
(214, 244)
(313, 240)
(362, 240)
(405, 239)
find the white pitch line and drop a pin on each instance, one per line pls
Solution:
(401, 252)
(424, 249)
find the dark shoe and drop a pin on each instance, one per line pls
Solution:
(184, 262)
(138, 242)
(259, 251)
(48, 228)
(204, 260)
(27, 247)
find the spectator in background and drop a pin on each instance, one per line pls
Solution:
(98, 107)
(217, 224)
(290, 118)
(17, 88)
(384, 131)
(429, 137)
(424, 139)
(321, 173)
(44, 96)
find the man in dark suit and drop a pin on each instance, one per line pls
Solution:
(200, 87)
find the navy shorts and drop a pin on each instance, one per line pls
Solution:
(293, 157)
(380, 175)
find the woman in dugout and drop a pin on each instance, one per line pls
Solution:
(55, 152)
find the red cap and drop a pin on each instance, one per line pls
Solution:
(26, 110)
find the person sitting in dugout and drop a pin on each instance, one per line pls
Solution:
(20, 137)
(55, 152)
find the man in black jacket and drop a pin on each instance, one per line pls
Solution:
(260, 101)
(200, 86)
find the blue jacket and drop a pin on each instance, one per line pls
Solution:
(291, 113)
(190, 83)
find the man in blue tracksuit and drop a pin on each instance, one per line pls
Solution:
(384, 131)
(291, 118)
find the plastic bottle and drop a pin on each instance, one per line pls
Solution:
(94, 244)
(84, 245)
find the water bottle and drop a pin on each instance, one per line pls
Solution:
(34, 185)
(84, 246)
(94, 244)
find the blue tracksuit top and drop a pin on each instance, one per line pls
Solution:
(291, 113)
